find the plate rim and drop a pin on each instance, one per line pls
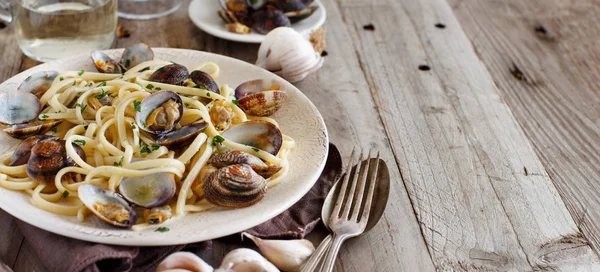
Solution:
(244, 38)
(44, 223)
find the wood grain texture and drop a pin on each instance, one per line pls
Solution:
(10, 61)
(544, 57)
(461, 151)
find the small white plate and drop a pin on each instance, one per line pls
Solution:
(298, 118)
(204, 15)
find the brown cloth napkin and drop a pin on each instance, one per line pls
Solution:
(58, 253)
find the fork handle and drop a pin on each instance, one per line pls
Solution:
(333, 252)
(315, 259)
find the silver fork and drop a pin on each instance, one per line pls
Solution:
(343, 224)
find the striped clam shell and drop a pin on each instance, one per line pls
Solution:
(260, 97)
(47, 158)
(239, 157)
(235, 186)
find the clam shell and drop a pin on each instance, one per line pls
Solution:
(239, 157)
(89, 194)
(22, 131)
(204, 80)
(269, 18)
(235, 186)
(148, 191)
(104, 64)
(136, 54)
(150, 103)
(181, 136)
(173, 74)
(264, 103)
(18, 107)
(38, 83)
(257, 86)
(260, 134)
(47, 158)
(23, 151)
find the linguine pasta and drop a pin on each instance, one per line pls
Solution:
(115, 147)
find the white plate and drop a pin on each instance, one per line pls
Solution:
(298, 118)
(204, 15)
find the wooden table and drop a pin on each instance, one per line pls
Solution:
(487, 112)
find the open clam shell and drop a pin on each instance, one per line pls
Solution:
(173, 74)
(260, 97)
(104, 64)
(259, 134)
(235, 186)
(23, 151)
(107, 205)
(136, 54)
(18, 107)
(47, 158)
(38, 83)
(22, 131)
(181, 136)
(160, 112)
(148, 191)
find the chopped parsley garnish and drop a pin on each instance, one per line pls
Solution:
(155, 147)
(158, 88)
(53, 129)
(102, 94)
(120, 163)
(186, 104)
(149, 86)
(89, 84)
(136, 106)
(217, 139)
(234, 102)
(61, 78)
(102, 84)
(65, 194)
(143, 124)
(208, 94)
(81, 106)
(145, 149)
(81, 72)
(162, 229)
(255, 149)
(127, 63)
(79, 142)
(145, 69)
(216, 126)
(133, 126)
(43, 117)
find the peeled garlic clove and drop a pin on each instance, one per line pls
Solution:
(287, 53)
(287, 255)
(243, 259)
(184, 261)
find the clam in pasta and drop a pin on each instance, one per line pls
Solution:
(143, 140)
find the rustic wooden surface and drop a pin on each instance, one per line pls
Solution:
(486, 111)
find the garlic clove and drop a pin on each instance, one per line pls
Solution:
(184, 262)
(287, 255)
(245, 260)
(289, 54)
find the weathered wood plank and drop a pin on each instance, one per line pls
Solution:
(544, 57)
(461, 151)
(10, 57)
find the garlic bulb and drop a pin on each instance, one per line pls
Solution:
(245, 260)
(285, 52)
(183, 262)
(287, 255)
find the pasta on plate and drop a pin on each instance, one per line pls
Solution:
(142, 140)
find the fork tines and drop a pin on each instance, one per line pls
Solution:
(351, 198)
